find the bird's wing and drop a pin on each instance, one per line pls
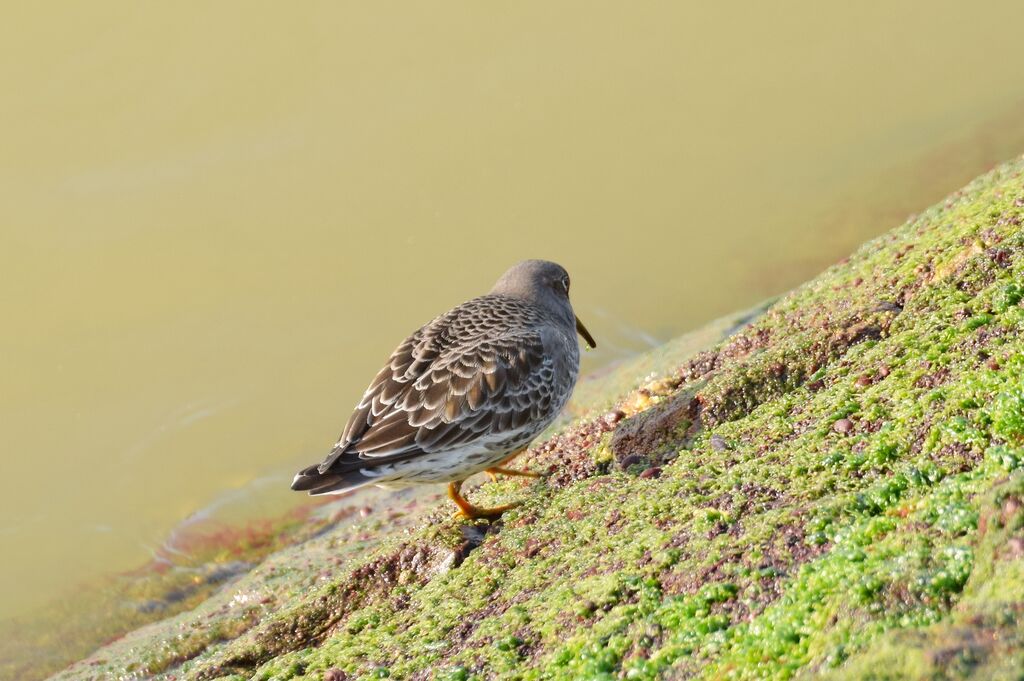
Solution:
(439, 391)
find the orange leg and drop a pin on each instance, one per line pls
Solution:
(494, 471)
(468, 510)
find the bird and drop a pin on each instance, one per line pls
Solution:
(465, 393)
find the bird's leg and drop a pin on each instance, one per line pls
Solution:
(468, 510)
(493, 471)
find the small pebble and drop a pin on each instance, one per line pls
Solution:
(654, 472)
(718, 443)
(1010, 508)
(843, 426)
(888, 306)
(883, 371)
(864, 380)
(341, 514)
(993, 364)
(335, 674)
(632, 460)
(1015, 547)
(532, 548)
(365, 511)
(613, 417)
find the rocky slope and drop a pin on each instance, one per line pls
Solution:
(835, 488)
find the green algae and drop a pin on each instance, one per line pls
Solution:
(981, 636)
(847, 502)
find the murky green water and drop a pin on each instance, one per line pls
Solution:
(218, 220)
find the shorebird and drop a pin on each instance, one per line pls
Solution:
(465, 393)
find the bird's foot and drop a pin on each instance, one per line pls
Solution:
(471, 512)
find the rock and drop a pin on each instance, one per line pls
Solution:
(653, 432)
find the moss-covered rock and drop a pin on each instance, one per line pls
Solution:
(835, 488)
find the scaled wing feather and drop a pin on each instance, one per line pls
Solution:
(451, 382)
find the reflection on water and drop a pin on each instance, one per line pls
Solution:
(217, 223)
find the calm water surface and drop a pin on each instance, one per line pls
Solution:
(217, 220)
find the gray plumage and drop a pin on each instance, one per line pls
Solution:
(464, 391)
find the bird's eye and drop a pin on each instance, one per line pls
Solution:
(565, 284)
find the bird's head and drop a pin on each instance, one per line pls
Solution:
(544, 283)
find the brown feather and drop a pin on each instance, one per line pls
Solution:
(482, 369)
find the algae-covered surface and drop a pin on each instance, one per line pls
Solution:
(834, 489)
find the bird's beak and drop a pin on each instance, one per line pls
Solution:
(586, 334)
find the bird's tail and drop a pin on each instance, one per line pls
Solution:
(313, 481)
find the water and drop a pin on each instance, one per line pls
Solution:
(217, 221)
